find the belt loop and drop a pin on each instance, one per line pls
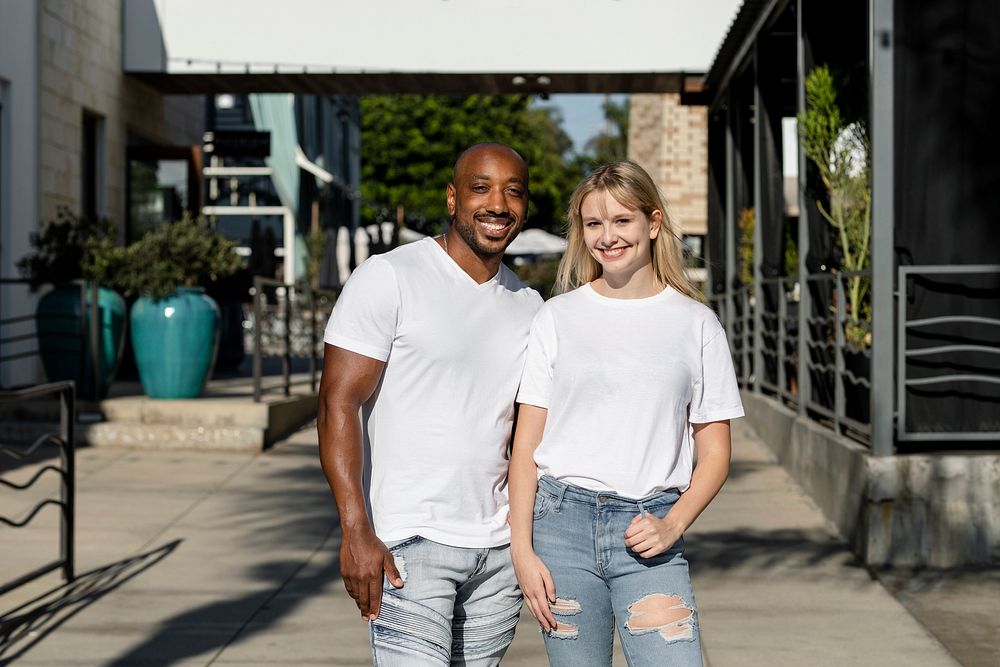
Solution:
(559, 498)
(642, 508)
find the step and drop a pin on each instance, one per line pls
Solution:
(138, 435)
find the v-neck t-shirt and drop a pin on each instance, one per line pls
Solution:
(623, 380)
(439, 423)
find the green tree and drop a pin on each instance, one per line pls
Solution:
(841, 152)
(611, 145)
(409, 144)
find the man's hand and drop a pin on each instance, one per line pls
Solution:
(363, 559)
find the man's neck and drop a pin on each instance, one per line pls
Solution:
(481, 269)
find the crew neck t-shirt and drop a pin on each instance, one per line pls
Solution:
(623, 380)
(439, 423)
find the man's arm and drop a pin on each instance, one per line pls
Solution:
(349, 379)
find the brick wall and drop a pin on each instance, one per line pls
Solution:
(80, 68)
(670, 141)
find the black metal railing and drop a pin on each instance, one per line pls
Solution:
(287, 324)
(839, 346)
(63, 439)
(955, 368)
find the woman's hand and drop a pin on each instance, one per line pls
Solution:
(537, 587)
(650, 536)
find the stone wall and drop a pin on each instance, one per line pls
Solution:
(915, 510)
(80, 70)
(670, 141)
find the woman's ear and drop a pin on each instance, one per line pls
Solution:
(655, 221)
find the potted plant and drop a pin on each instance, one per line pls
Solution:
(66, 257)
(175, 325)
(842, 154)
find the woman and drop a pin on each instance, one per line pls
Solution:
(627, 375)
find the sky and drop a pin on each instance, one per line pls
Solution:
(582, 115)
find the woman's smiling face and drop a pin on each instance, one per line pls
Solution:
(616, 236)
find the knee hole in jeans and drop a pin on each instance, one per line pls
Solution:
(668, 615)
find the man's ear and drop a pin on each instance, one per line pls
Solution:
(449, 195)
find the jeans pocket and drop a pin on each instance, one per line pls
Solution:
(543, 502)
(403, 543)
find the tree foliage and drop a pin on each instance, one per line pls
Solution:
(611, 145)
(841, 152)
(186, 253)
(409, 144)
(63, 249)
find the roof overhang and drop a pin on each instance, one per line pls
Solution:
(422, 46)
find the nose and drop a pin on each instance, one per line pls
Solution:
(496, 204)
(608, 236)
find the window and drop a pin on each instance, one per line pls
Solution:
(162, 183)
(694, 245)
(92, 167)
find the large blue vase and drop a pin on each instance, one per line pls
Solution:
(66, 355)
(175, 340)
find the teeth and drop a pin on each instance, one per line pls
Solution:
(493, 226)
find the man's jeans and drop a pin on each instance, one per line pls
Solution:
(457, 606)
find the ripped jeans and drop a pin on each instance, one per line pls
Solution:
(600, 583)
(457, 606)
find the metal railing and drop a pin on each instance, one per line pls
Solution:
(63, 439)
(905, 352)
(832, 381)
(838, 344)
(89, 329)
(780, 338)
(287, 321)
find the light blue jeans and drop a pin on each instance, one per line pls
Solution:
(457, 606)
(601, 584)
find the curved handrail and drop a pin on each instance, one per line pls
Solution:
(31, 482)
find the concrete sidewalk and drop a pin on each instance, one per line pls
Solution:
(195, 558)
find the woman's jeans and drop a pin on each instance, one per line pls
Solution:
(600, 583)
(457, 606)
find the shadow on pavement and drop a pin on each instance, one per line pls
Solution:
(214, 626)
(765, 549)
(25, 626)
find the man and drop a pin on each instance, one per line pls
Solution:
(428, 341)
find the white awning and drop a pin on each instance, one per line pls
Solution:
(537, 242)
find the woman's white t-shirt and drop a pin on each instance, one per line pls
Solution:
(623, 380)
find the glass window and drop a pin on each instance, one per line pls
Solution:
(162, 185)
(92, 166)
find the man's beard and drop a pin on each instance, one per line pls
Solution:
(468, 233)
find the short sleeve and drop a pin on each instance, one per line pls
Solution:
(716, 395)
(536, 380)
(365, 316)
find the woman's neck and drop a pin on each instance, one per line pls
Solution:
(638, 285)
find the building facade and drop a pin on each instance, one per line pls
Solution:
(70, 121)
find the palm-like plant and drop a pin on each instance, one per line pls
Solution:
(841, 152)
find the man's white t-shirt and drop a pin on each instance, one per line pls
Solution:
(623, 380)
(439, 423)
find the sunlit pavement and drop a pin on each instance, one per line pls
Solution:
(195, 558)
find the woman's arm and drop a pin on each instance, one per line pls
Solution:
(650, 536)
(532, 575)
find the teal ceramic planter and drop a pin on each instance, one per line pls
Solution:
(59, 326)
(175, 341)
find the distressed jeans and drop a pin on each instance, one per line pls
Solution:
(601, 584)
(457, 606)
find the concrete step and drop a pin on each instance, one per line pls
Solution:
(223, 423)
(138, 435)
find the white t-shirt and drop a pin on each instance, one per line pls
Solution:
(622, 380)
(439, 423)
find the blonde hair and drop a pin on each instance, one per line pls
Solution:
(631, 187)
